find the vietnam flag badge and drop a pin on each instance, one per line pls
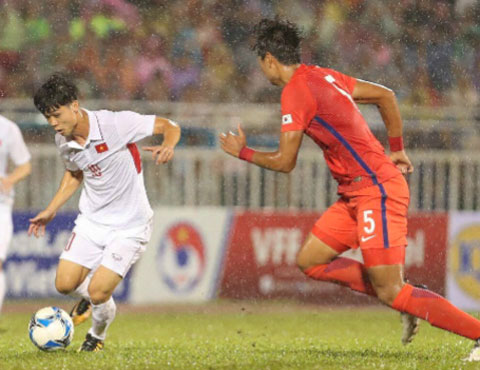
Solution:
(101, 148)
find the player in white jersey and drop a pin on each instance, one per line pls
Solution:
(12, 148)
(114, 224)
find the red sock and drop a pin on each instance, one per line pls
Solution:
(343, 271)
(437, 311)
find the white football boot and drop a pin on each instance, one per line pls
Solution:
(475, 354)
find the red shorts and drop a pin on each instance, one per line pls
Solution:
(372, 218)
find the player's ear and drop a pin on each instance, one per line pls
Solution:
(273, 62)
(75, 107)
(268, 59)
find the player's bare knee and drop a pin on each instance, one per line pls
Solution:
(98, 295)
(314, 252)
(64, 286)
(303, 262)
(387, 293)
(305, 259)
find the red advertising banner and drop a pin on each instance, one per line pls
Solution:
(427, 250)
(262, 248)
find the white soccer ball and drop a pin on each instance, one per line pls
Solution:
(51, 329)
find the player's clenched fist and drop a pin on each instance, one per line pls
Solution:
(160, 153)
(38, 223)
(402, 161)
(233, 144)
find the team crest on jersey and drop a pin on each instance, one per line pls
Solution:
(100, 148)
(286, 119)
(181, 257)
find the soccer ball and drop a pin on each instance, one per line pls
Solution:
(50, 329)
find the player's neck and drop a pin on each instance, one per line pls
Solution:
(287, 72)
(82, 129)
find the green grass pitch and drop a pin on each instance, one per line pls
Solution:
(239, 335)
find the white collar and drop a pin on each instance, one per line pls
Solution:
(94, 132)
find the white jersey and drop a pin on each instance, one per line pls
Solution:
(12, 147)
(113, 191)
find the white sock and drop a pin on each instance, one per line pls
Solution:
(102, 316)
(2, 287)
(82, 289)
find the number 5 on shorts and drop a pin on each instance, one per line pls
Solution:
(369, 221)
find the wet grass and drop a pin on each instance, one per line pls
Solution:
(323, 339)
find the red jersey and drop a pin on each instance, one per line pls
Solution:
(319, 102)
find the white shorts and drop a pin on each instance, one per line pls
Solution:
(91, 245)
(6, 231)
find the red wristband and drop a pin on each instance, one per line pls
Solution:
(396, 143)
(246, 154)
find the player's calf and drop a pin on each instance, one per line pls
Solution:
(438, 311)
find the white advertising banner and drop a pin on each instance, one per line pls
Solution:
(183, 259)
(463, 260)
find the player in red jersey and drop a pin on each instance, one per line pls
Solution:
(371, 212)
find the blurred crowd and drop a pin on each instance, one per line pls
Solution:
(199, 50)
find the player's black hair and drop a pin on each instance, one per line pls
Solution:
(58, 90)
(280, 38)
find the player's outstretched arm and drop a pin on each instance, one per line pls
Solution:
(282, 160)
(68, 186)
(371, 93)
(171, 135)
(19, 173)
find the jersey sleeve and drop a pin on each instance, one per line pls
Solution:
(19, 153)
(69, 165)
(298, 107)
(133, 127)
(346, 82)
